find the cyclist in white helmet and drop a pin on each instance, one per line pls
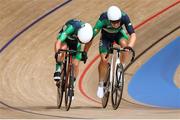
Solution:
(72, 35)
(110, 24)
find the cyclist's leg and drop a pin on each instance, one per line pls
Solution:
(124, 55)
(103, 65)
(76, 59)
(102, 68)
(76, 71)
(76, 67)
(123, 42)
(59, 64)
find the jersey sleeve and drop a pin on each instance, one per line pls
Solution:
(100, 23)
(97, 27)
(63, 35)
(128, 25)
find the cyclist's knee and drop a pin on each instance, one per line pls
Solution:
(76, 63)
(103, 60)
(123, 43)
(60, 58)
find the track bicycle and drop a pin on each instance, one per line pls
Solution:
(66, 84)
(115, 77)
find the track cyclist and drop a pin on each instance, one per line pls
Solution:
(110, 23)
(73, 34)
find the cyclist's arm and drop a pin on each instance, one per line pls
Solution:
(99, 25)
(130, 30)
(62, 36)
(132, 40)
(96, 29)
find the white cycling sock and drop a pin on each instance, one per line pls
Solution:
(101, 83)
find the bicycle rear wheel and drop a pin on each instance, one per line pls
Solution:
(60, 90)
(117, 87)
(69, 89)
(106, 89)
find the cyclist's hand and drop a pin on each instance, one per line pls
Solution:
(127, 49)
(84, 57)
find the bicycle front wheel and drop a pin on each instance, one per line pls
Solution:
(117, 87)
(60, 90)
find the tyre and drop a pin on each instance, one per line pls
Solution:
(117, 87)
(106, 89)
(59, 96)
(60, 90)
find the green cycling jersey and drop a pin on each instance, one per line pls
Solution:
(68, 35)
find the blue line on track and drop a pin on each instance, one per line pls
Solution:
(33, 23)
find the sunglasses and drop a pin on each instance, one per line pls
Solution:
(115, 22)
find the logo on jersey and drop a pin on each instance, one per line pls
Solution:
(129, 24)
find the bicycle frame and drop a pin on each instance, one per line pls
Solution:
(114, 60)
(67, 66)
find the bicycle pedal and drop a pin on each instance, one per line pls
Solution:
(104, 84)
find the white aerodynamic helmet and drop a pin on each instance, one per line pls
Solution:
(114, 13)
(85, 33)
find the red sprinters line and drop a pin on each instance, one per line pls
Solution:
(136, 27)
(157, 14)
(82, 76)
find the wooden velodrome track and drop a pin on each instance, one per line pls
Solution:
(27, 63)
